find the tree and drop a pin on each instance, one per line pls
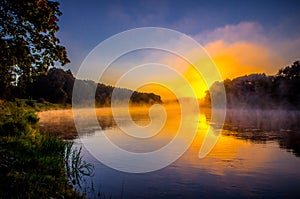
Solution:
(280, 91)
(55, 86)
(28, 43)
(290, 72)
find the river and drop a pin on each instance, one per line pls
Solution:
(257, 156)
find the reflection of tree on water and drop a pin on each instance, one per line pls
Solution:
(291, 142)
(269, 120)
(262, 126)
(61, 123)
(106, 122)
(65, 128)
(257, 126)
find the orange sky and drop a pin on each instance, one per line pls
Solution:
(236, 50)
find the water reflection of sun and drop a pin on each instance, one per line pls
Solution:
(229, 153)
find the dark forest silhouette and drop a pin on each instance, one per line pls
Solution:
(57, 85)
(260, 91)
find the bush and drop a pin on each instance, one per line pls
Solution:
(29, 169)
(34, 165)
(15, 120)
(30, 103)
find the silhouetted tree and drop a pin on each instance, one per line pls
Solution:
(261, 91)
(290, 72)
(28, 43)
(57, 86)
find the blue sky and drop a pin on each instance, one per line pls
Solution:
(272, 27)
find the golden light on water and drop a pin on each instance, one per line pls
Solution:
(229, 153)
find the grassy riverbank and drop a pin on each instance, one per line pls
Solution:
(33, 165)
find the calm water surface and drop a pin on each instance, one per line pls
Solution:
(256, 156)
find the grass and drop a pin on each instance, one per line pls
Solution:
(40, 105)
(33, 165)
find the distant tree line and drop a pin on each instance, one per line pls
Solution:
(280, 91)
(56, 86)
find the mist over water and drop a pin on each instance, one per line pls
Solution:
(256, 155)
(269, 120)
(261, 126)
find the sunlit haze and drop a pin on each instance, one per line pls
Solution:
(241, 37)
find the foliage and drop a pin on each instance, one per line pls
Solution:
(28, 43)
(34, 165)
(76, 168)
(290, 72)
(57, 86)
(280, 91)
(14, 121)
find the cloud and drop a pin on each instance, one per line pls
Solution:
(137, 14)
(244, 31)
(240, 58)
(247, 48)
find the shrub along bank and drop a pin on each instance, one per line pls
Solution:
(33, 165)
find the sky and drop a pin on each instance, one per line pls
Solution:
(242, 37)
